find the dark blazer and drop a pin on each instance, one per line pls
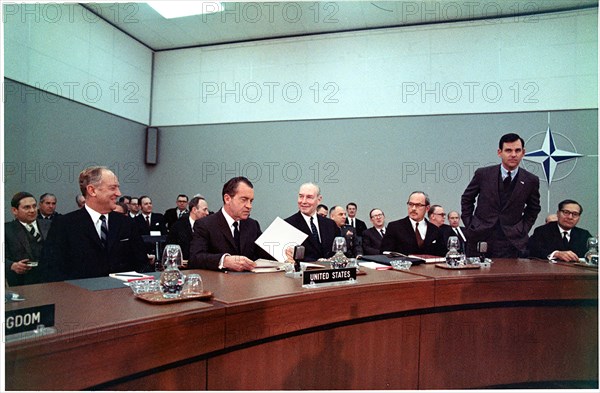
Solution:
(448, 231)
(73, 248)
(548, 238)
(371, 241)
(516, 217)
(353, 241)
(157, 223)
(52, 216)
(328, 231)
(360, 225)
(171, 217)
(181, 233)
(400, 237)
(212, 238)
(20, 244)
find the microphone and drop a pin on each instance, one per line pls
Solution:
(482, 248)
(298, 255)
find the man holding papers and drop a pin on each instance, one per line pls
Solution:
(225, 240)
(320, 230)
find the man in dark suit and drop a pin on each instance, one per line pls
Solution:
(94, 241)
(561, 240)
(437, 217)
(47, 207)
(175, 213)
(456, 230)
(508, 203)
(225, 239)
(351, 209)
(348, 232)
(148, 221)
(24, 239)
(181, 231)
(320, 230)
(414, 234)
(134, 207)
(371, 238)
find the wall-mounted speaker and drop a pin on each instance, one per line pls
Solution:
(151, 145)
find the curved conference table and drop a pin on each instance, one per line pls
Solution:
(518, 323)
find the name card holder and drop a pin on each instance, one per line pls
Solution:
(29, 322)
(328, 277)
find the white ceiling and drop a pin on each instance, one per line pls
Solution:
(248, 21)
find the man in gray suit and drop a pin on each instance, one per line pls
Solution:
(24, 238)
(508, 203)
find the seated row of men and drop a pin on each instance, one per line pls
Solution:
(95, 240)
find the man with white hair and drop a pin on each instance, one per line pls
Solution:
(320, 230)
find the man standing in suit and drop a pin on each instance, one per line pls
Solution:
(225, 239)
(508, 203)
(175, 213)
(148, 221)
(24, 239)
(353, 241)
(320, 230)
(181, 231)
(47, 207)
(561, 240)
(371, 238)
(414, 234)
(94, 241)
(360, 225)
(457, 230)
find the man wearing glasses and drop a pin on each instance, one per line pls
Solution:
(561, 240)
(174, 214)
(372, 237)
(437, 217)
(414, 234)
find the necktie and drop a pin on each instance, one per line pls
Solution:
(565, 240)
(382, 232)
(419, 238)
(314, 232)
(103, 230)
(236, 236)
(36, 235)
(352, 222)
(148, 221)
(507, 181)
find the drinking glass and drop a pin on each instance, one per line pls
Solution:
(193, 285)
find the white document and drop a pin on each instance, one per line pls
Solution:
(130, 276)
(373, 265)
(279, 236)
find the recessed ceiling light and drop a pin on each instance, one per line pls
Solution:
(178, 9)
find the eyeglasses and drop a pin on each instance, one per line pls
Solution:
(377, 216)
(417, 205)
(181, 201)
(440, 214)
(568, 212)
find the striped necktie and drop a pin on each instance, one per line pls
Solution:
(34, 233)
(103, 230)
